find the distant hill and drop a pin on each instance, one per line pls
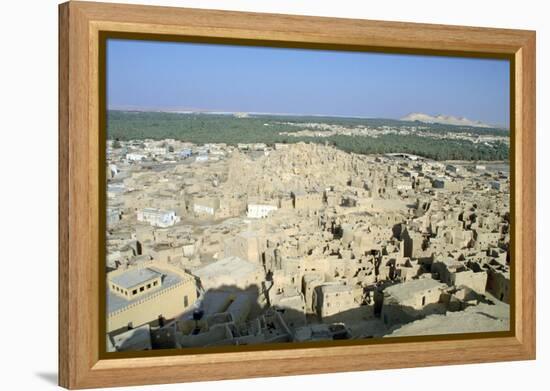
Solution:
(445, 119)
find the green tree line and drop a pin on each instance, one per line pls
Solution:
(209, 128)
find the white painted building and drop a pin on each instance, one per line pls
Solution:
(158, 217)
(259, 211)
(203, 209)
(403, 185)
(135, 157)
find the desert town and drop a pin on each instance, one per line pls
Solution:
(316, 129)
(216, 245)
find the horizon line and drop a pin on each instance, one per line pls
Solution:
(176, 110)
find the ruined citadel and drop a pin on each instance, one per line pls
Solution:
(211, 245)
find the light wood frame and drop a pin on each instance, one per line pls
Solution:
(80, 364)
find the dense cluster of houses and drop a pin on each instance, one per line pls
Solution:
(217, 244)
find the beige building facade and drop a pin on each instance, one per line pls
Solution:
(146, 292)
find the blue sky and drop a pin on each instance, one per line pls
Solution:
(164, 75)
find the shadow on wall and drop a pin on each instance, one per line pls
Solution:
(232, 315)
(229, 315)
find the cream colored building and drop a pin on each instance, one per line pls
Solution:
(143, 293)
(206, 205)
(411, 300)
(334, 298)
(230, 272)
(303, 200)
(246, 245)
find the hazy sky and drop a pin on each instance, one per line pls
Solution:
(160, 75)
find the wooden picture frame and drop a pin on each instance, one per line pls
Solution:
(81, 155)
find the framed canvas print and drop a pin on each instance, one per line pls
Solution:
(247, 195)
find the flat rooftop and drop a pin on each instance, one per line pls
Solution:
(405, 290)
(483, 317)
(336, 288)
(234, 267)
(134, 277)
(450, 262)
(116, 302)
